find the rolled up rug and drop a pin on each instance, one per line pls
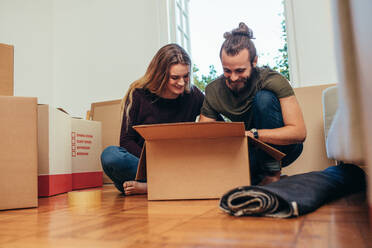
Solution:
(294, 195)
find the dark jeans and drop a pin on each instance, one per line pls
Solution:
(119, 165)
(267, 114)
(295, 195)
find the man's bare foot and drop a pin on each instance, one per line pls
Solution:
(135, 188)
(270, 178)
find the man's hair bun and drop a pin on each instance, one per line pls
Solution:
(238, 39)
(242, 30)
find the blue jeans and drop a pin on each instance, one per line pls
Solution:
(119, 165)
(267, 114)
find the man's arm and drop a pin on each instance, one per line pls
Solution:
(203, 118)
(294, 130)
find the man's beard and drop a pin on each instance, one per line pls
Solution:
(239, 85)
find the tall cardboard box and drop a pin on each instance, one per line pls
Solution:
(108, 113)
(86, 147)
(195, 160)
(6, 70)
(18, 152)
(314, 154)
(54, 142)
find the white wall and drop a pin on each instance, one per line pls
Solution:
(310, 42)
(28, 25)
(72, 53)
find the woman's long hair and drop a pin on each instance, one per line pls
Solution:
(157, 75)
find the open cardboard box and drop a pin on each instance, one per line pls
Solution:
(69, 152)
(196, 160)
(54, 151)
(108, 113)
(86, 147)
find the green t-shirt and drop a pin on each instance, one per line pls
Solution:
(219, 99)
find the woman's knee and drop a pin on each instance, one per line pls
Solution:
(109, 156)
(118, 158)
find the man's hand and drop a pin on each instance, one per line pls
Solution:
(203, 118)
(249, 134)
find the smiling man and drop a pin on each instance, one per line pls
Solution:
(261, 98)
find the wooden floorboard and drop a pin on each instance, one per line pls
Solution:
(104, 218)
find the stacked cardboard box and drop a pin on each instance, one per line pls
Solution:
(18, 140)
(6, 70)
(18, 152)
(314, 155)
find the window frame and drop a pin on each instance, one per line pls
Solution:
(180, 23)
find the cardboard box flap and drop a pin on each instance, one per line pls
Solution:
(141, 169)
(190, 130)
(273, 152)
(62, 110)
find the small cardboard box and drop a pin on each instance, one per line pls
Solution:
(86, 145)
(18, 152)
(108, 113)
(54, 143)
(6, 70)
(195, 160)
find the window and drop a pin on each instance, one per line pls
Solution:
(208, 23)
(180, 30)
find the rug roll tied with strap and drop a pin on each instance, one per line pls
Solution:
(294, 195)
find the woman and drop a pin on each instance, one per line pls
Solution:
(162, 95)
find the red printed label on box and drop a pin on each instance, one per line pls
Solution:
(73, 144)
(81, 144)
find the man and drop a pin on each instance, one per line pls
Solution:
(261, 98)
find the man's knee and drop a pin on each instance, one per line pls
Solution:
(265, 100)
(267, 113)
(293, 153)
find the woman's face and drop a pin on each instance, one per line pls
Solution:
(179, 76)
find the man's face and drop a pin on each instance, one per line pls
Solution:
(237, 69)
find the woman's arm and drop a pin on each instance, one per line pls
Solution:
(129, 138)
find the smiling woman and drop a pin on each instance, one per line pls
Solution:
(178, 80)
(162, 95)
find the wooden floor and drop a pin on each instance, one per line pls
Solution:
(103, 218)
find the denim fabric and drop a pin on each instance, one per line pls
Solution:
(267, 114)
(295, 195)
(119, 165)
